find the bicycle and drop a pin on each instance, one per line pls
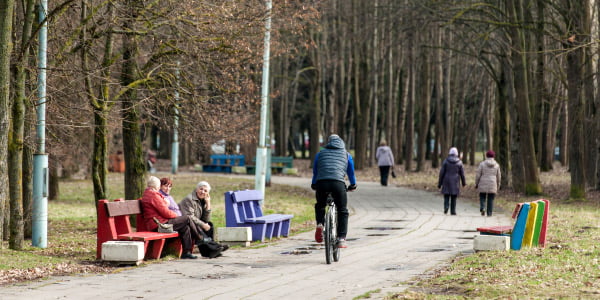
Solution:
(332, 252)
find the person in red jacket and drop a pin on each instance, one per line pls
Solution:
(154, 205)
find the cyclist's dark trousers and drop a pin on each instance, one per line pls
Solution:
(384, 172)
(338, 191)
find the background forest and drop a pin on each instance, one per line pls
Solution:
(516, 76)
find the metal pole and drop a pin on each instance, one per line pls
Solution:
(261, 150)
(40, 159)
(175, 145)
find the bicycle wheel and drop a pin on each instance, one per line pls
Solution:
(329, 235)
(336, 250)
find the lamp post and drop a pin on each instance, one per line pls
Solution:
(39, 229)
(261, 150)
(175, 144)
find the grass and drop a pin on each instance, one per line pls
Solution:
(567, 267)
(72, 223)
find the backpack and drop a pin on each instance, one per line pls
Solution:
(210, 249)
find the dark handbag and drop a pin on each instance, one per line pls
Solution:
(393, 174)
(210, 249)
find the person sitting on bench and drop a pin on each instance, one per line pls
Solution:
(154, 205)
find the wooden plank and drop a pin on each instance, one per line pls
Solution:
(497, 230)
(146, 236)
(516, 238)
(530, 225)
(538, 223)
(542, 241)
(121, 208)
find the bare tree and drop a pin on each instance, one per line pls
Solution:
(6, 17)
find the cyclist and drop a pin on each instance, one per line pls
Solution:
(330, 167)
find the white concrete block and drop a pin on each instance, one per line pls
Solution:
(238, 170)
(289, 171)
(234, 235)
(491, 242)
(123, 251)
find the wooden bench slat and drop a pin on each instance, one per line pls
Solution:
(121, 208)
(146, 236)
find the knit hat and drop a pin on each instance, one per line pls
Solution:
(453, 151)
(490, 153)
(153, 182)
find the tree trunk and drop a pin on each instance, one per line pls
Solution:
(410, 104)
(425, 108)
(532, 184)
(132, 142)
(100, 104)
(6, 18)
(53, 190)
(576, 107)
(502, 128)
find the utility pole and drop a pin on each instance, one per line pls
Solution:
(261, 150)
(175, 145)
(40, 158)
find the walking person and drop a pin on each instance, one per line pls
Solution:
(330, 167)
(452, 174)
(487, 182)
(385, 161)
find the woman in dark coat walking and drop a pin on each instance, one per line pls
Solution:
(451, 176)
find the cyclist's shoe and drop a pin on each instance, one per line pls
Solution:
(341, 243)
(319, 234)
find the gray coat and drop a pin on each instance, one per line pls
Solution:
(192, 206)
(487, 178)
(451, 175)
(384, 156)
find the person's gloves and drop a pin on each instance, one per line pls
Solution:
(352, 187)
(313, 187)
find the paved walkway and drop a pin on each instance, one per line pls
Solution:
(394, 235)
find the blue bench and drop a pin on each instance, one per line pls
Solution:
(242, 209)
(222, 163)
(278, 163)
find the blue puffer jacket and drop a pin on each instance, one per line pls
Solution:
(334, 162)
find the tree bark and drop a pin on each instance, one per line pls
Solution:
(6, 17)
(532, 184)
(425, 109)
(132, 142)
(576, 113)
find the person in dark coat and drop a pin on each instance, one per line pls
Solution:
(452, 174)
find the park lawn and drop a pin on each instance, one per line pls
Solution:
(568, 267)
(72, 223)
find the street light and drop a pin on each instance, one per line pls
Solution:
(261, 150)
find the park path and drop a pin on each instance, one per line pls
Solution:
(394, 235)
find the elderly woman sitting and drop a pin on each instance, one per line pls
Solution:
(197, 205)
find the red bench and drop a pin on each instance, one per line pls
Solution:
(496, 230)
(114, 225)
